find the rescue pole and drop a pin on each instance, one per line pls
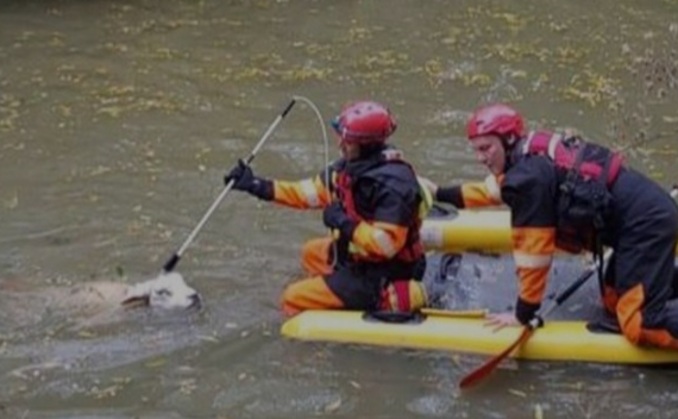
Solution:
(174, 259)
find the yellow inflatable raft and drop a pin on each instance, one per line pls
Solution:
(487, 231)
(445, 330)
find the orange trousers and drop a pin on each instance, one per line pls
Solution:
(328, 287)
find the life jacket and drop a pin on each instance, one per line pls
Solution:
(381, 168)
(586, 173)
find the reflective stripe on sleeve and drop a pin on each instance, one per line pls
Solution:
(532, 261)
(384, 242)
(310, 192)
(493, 189)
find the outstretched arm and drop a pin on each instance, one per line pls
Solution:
(529, 190)
(467, 195)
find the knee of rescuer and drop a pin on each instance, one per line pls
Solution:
(287, 303)
(401, 295)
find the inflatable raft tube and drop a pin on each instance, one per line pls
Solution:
(447, 331)
(484, 231)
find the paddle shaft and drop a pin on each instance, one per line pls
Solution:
(174, 259)
(484, 370)
(567, 292)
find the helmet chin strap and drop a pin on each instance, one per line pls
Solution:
(367, 151)
(509, 141)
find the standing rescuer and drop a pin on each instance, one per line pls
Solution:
(566, 193)
(374, 206)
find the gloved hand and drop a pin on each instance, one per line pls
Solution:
(241, 175)
(526, 312)
(335, 217)
(244, 180)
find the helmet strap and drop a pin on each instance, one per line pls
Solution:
(509, 141)
(509, 150)
(369, 150)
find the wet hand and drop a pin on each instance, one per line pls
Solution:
(501, 320)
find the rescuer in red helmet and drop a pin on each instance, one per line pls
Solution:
(570, 194)
(373, 204)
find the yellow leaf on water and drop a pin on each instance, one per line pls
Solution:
(332, 407)
(208, 338)
(156, 363)
(13, 202)
(517, 393)
(112, 111)
(538, 411)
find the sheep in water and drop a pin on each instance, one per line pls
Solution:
(96, 301)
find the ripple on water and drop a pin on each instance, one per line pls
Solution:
(278, 398)
(433, 405)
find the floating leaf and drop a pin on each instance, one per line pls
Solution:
(13, 202)
(538, 411)
(517, 392)
(333, 407)
(156, 363)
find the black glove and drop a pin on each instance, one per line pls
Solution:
(244, 180)
(525, 311)
(335, 217)
(451, 195)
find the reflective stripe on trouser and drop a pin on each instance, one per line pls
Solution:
(315, 256)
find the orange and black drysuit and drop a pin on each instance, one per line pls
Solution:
(568, 194)
(378, 261)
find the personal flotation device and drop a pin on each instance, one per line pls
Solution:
(383, 169)
(586, 173)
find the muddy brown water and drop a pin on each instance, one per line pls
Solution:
(118, 120)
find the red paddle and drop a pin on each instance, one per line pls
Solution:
(484, 370)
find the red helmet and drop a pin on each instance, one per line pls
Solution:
(498, 119)
(364, 123)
